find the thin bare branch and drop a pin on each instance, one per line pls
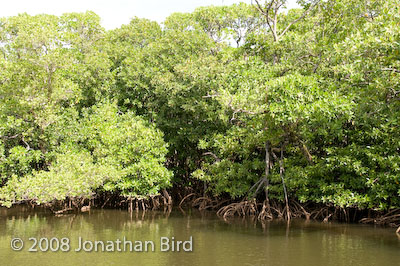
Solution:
(213, 155)
(391, 69)
(26, 143)
(211, 96)
(9, 137)
(305, 13)
(266, 14)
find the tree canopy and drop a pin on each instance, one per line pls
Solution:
(245, 99)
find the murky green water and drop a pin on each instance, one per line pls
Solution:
(214, 242)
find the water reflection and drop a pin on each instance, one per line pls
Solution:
(216, 242)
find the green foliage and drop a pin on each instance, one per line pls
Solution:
(324, 98)
(53, 68)
(128, 144)
(102, 150)
(72, 175)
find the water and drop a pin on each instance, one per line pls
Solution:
(215, 242)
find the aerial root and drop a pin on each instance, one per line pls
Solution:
(265, 213)
(391, 218)
(186, 197)
(243, 209)
(204, 203)
(299, 211)
(150, 203)
(201, 202)
(168, 198)
(272, 209)
(106, 200)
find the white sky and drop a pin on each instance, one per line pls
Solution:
(113, 13)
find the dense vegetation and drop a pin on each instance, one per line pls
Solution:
(236, 102)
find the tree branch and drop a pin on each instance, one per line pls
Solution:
(213, 155)
(266, 14)
(305, 152)
(305, 13)
(391, 69)
(9, 137)
(26, 143)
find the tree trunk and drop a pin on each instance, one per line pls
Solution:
(266, 181)
(267, 164)
(281, 170)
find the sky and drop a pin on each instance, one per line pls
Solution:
(113, 13)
